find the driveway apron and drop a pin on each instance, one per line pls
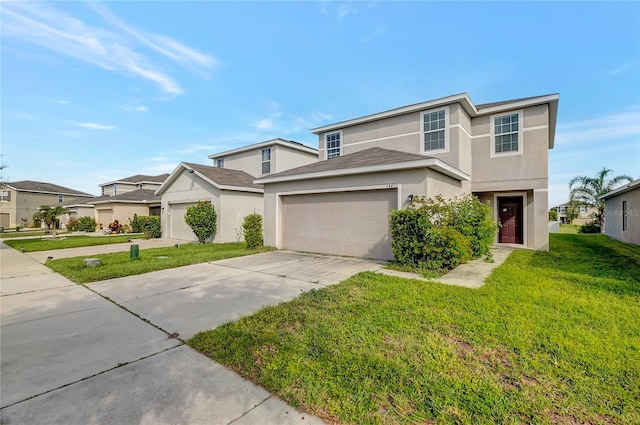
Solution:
(82, 355)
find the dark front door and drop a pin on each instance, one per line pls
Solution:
(510, 214)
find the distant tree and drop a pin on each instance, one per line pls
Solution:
(553, 214)
(50, 215)
(572, 212)
(586, 190)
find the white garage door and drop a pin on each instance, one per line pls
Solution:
(343, 223)
(105, 217)
(178, 229)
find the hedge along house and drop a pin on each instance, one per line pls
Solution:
(233, 194)
(376, 163)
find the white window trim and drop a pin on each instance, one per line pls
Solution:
(492, 133)
(446, 131)
(262, 161)
(326, 150)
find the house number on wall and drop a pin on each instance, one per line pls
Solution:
(392, 186)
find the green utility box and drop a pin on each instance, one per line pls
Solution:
(134, 252)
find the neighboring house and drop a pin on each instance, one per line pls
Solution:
(586, 214)
(270, 157)
(124, 206)
(622, 213)
(19, 201)
(376, 163)
(124, 198)
(233, 194)
(132, 183)
(78, 207)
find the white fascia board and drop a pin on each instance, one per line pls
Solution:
(625, 188)
(433, 163)
(241, 189)
(122, 201)
(518, 104)
(267, 143)
(462, 98)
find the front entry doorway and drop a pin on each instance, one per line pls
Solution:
(510, 215)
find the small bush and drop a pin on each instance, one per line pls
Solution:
(252, 229)
(71, 223)
(136, 224)
(84, 224)
(592, 227)
(151, 226)
(445, 249)
(202, 219)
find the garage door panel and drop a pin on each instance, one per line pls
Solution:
(178, 227)
(345, 223)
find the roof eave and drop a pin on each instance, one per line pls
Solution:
(622, 189)
(277, 141)
(432, 163)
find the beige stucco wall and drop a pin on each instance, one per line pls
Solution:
(234, 207)
(282, 158)
(512, 172)
(122, 212)
(25, 204)
(231, 206)
(417, 182)
(120, 189)
(613, 217)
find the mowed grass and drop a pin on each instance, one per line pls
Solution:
(569, 228)
(120, 265)
(63, 242)
(552, 338)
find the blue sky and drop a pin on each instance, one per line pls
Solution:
(93, 92)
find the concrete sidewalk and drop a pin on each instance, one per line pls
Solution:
(70, 356)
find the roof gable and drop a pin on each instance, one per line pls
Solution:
(42, 187)
(139, 178)
(282, 142)
(222, 178)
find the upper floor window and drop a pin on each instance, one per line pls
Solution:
(5, 195)
(624, 216)
(562, 209)
(220, 163)
(582, 209)
(506, 134)
(333, 144)
(60, 198)
(115, 189)
(266, 161)
(434, 130)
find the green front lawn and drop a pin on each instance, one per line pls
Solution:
(63, 242)
(569, 228)
(119, 264)
(553, 337)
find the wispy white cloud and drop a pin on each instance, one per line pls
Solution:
(62, 101)
(23, 116)
(278, 123)
(94, 126)
(118, 48)
(139, 108)
(622, 69)
(374, 34)
(345, 9)
(72, 133)
(264, 124)
(606, 128)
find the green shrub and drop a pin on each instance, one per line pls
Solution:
(252, 230)
(592, 227)
(147, 224)
(202, 220)
(436, 234)
(84, 224)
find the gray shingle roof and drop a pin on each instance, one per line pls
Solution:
(225, 176)
(139, 178)
(33, 186)
(75, 202)
(364, 158)
(137, 196)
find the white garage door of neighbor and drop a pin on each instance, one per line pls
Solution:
(105, 217)
(178, 228)
(344, 223)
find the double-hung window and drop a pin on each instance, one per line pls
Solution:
(582, 209)
(507, 134)
(220, 163)
(266, 161)
(60, 198)
(5, 195)
(434, 130)
(333, 144)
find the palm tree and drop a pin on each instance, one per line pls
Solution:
(586, 190)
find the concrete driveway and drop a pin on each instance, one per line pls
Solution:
(71, 356)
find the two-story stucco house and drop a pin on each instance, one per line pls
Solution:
(228, 185)
(585, 214)
(20, 200)
(449, 146)
(122, 199)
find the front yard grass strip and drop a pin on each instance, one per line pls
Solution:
(552, 338)
(63, 242)
(119, 264)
